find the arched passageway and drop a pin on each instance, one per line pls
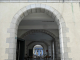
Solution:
(34, 43)
(48, 44)
(38, 51)
(35, 8)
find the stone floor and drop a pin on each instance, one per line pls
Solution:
(40, 59)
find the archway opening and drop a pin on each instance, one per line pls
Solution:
(42, 28)
(40, 21)
(35, 37)
(38, 51)
(51, 14)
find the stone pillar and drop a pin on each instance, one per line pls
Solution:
(53, 50)
(49, 50)
(57, 49)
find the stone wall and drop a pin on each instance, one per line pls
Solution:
(70, 13)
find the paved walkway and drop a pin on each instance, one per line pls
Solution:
(40, 59)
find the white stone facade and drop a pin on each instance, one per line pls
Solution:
(67, 16)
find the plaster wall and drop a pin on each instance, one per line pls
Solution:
(69, 11)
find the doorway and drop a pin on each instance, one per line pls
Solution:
(38, 51)
(51, 12)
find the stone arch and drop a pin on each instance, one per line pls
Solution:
(42, 31)
(45, 47)
(38, 44)
(54, 38)
(37, 41)
(41, 45)
(32, 9)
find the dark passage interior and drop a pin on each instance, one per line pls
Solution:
(38, 38)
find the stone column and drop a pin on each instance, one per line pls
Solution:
(57, 47)
(49, 50)
(53, 50)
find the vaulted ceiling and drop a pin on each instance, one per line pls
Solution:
(38, 21)
(38, 37)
